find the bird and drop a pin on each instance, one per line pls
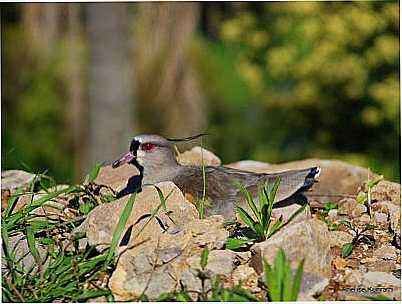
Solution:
(155, 158)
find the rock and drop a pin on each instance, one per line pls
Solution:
(380, 218)
(101, 222)
(116, 178)
(353, 277)
(158, 266)
(337, 178)
(307, 240)
(381, 265)
(385, 252)
(387, 191)
(351, 208)
(247, 277)
(395, 221)
(195, 158)
(385, 207)
(19, 246)
(365, 219)
(376, 278)
(312, 285)
(13, 179)
(333, 215)
(287, 211)
(338, 238)
(220, 262)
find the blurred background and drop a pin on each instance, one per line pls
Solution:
(268, 81)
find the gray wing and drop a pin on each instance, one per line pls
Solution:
(223, 192)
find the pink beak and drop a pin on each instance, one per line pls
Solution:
(125, 159)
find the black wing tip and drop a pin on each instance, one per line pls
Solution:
(314, 173)
(311, 178)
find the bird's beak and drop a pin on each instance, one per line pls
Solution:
(125, 159)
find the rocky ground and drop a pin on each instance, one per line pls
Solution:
(155, 256)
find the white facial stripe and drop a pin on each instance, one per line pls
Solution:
(140, 155)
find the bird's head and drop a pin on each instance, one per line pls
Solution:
(149, 152)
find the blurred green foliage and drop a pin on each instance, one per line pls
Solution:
(294, 80)
(33, 105)
(283, 81)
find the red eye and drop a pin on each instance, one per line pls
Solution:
(147, 147)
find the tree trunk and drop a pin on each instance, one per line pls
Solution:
(171, 100)
(110, 82)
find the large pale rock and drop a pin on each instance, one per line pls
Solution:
(198, 156)
(12, 179)
(337, 178)
(116, 178)
(307, 240)
(102, 221)
(159, 266)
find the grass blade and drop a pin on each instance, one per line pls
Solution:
(297, 281)
(247, 219)
(120, 228)
(32, 247)
(272, 193)
(250, 201)
(204, 258)
(93, 174)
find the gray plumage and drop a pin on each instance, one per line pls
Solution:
(155, 157)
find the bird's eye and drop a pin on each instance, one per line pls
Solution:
(147, 147)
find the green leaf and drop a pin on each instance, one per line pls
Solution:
(87, 207)
(233, 244)
(361, 197)
(204, 258)
(271, 282)
(297, 281)
(247, 219)
(32, 246)
(274, 190)
(120, 228)
(279, 271)
(375, 181)
(329, 206)
(347, 249)
(183, 297)
(287, 282)
(93, 174)
(379, 298)
(250, 202)
(88, 294)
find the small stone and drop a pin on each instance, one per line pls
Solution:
(352, 208)
(339, 263)
(380, 218)
(332, 215)
(353, 277)
(376, 278)
(385, 252)
(247, 277)
(365, 219)
(338, 238)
